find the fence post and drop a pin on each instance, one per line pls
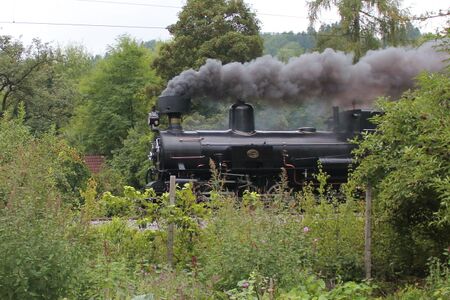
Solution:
(170, 229)
(368, 233)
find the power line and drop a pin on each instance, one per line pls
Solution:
(175, 7)
(128, 26)
(82, 25)
(130, 3)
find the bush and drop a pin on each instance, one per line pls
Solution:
(407, 163)
(41, 256)
(158, 283)
(122, 240)
(337, 231)
(312, 287)
(38, 169)
(238, 241)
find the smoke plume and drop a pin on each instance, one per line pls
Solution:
(329, 76)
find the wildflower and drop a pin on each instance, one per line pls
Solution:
(306, 229)
(315, 240)
(245, 284)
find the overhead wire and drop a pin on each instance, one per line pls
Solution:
(127, 26)
(131, 3)
(178, 7)
(82, 24)
(131, 26)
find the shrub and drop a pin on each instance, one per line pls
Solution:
(407, 163)
(238, 241)
(337, 232)
(120, 239)
(38, 169)
(312, 287)
(158, 283)
(41, 258)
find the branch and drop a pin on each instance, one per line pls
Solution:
(430, 15)
(27, 73)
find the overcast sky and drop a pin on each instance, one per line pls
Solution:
(275, 16)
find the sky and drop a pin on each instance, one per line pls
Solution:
(147, 19)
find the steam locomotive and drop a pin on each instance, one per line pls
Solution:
(245, 157)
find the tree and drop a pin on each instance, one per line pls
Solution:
(18, 64)
(291, 49)
(44, 79)
(53, 91)
(131, 160)
(221, 29)
(117, 96)
(273, 42)
(407, 162)
(363, 19)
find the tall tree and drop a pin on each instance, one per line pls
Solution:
(363, 19)
(221, 29)
(44, 79)
(53, 91)
(18, 65)
(117, 95)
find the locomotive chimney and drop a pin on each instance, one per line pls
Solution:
(174, 107)
(241, 117)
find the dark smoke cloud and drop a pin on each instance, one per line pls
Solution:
(330, 76)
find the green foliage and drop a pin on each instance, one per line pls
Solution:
(133, 203)
(289, 50)
(18, 66)
(131, 160)
(53, 94)
(331, 36)
(361, 20)
(42, 258)
(110, 179)
(408, 166)
(438, 281)
(37, 168)
(161, 283)
(437, 286)
(255, 287)
(313, 288)
(220, 29)
(187, 216)
(44, 79)
(117, 94)
(274, 42)
(337, 232)
(121, 239)
(238, 241)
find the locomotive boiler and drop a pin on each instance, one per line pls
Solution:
(245, 157)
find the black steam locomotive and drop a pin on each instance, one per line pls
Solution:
(249, 158)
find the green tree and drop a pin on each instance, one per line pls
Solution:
(131, 161)
(44, 79)
(54, 91)
(18, 65)
(273, 42)
(291, 49)
(363, 19)
(116, 97)
(222, 29)
(407, 162)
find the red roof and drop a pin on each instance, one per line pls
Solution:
(94, 162)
